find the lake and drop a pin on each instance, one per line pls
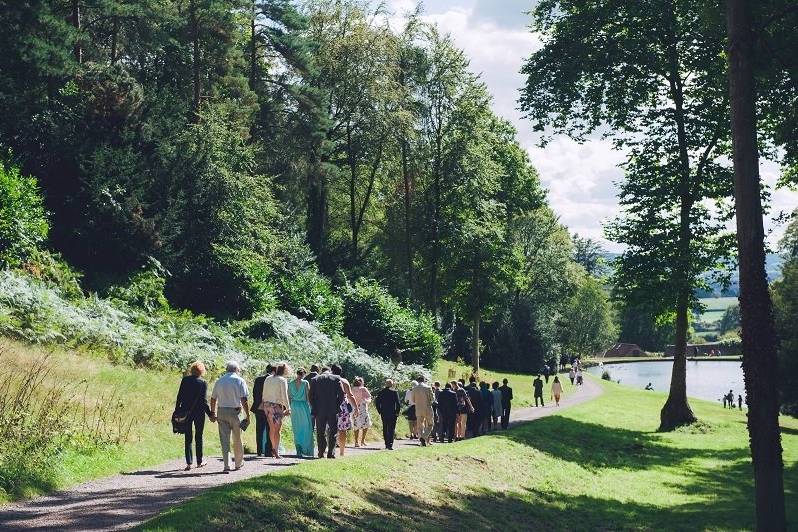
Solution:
(705, 379)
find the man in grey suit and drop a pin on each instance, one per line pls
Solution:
(326, 396)
(423, 398)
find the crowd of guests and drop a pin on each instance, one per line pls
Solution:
(325, 402)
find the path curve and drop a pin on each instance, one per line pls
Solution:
(129, 499)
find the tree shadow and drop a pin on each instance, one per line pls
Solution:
(595, 447)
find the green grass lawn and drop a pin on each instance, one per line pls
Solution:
(596, 466)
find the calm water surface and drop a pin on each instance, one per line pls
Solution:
(705, 379)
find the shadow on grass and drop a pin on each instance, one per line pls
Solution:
(595, 446)
(293, 502)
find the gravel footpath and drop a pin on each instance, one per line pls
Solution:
(128, 499)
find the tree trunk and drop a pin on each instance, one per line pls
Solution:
(436, 211)
(475, 345)
(317, 209)
(676, 410)
(114, 39)
(760, 365)
(78, 51)
(350, 157)
(408, 241)
(195, 62)
(253, 49)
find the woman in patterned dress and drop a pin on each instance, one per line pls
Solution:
(348, 406)
(362, 421)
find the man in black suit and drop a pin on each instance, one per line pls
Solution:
(314, 371)
(537, 384)
(474, 419)
(261, 425)
(388, 406)
(326, 396)
(507, 398)
(447, 408)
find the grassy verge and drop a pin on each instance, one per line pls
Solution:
(599, 465)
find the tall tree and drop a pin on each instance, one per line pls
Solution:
(652, 73)
(589, 254)
(760, 363)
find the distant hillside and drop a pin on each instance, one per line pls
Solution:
(773, 263)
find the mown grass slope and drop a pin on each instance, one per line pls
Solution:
(599, 465)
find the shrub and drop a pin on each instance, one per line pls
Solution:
(23, 222)
(310, 296)
(280, 336)
(605, 375)
(34, 312)
(376, 321)
(145, 289)
(53, 271)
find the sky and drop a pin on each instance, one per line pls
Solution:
(580, 178)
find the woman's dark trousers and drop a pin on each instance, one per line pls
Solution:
(197, 423)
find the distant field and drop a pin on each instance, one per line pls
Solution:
(712, 314)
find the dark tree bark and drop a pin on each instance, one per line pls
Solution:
(195, 62)
(477, 318)
(676, 410)
(114, 39)
(253, 48)
(760, 365)
(407, 203)
(78, 51)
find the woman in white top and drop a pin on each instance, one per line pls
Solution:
(276, 405)
(556, 390)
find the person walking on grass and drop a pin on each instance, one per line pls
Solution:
(739, 402)
(437, 427)
(262, 441)
(447, 410)
(537, 385)
(362, 421)
(487, 407)
(276, 405)
(497, 404)
(192, 404)
(388, 407)
(423, 397)
(347, 408)
(464, 409)
(507, 400)
(475, 416)
(572, 375)
(301, 420)
(229, 397)
(410, 412)
(556, 390)
(326, 395)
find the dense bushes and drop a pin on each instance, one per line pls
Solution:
(23, 222)
(376, 321)
(37, 313)
(310, 296)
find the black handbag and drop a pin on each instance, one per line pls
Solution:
(180, 420)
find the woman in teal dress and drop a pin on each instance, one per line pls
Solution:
(301, 422)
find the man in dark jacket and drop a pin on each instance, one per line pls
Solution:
(447, 409)
(388, 406)
(326, 396)
(261, 426)
(537, 384)
(474, 420)
(507, 398)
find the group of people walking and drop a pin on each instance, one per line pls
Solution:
(324, 401)
(454, 410)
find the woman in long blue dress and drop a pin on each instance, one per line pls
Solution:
(301, 422)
